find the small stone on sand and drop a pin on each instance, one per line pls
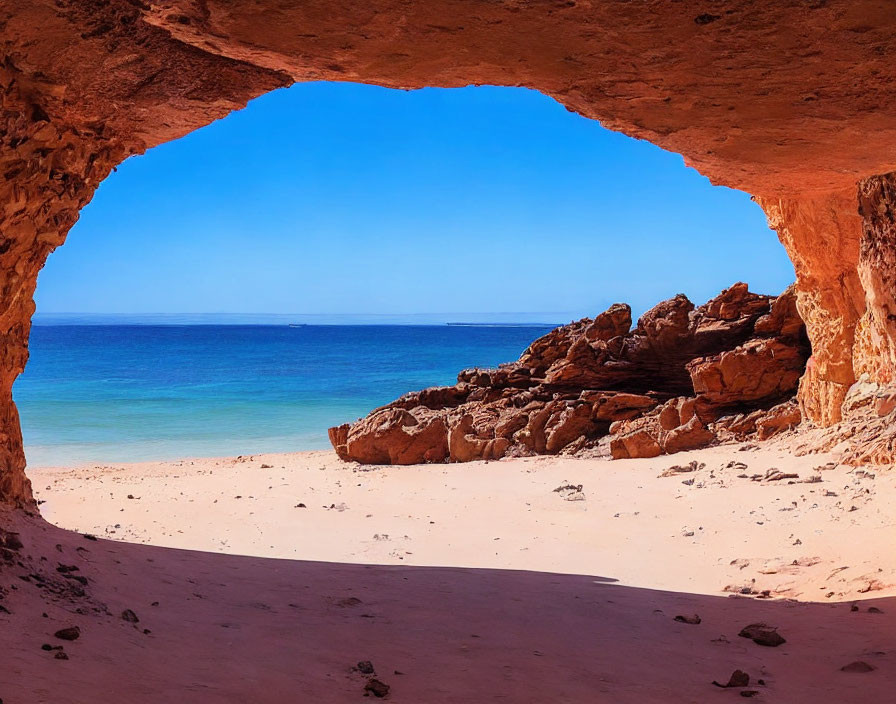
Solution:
(71, 633)
(762, 634)
(694, 620)
(738, 678)
(858, 666)
(376, 688)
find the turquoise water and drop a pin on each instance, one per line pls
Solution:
(119, 393)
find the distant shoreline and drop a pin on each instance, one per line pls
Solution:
(98, 324)
(303, 320)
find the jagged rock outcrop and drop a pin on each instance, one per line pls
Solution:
(657, 388)
(673, 427)
(785, 100)
(763, 423)
(866, 433)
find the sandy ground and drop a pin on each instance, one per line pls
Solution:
(269, 578)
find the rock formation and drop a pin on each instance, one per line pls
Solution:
(681, 376)
(866, 433)
(786, 100)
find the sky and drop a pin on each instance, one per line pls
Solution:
(347, 201)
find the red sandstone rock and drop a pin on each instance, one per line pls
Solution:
(593, 377)
(673, 427)
(885, 404)
(563, 347)
(783, 319)
(867, 428)
(762, 370)
(564, 426)
(464, 445)
(638, 442)
(394, 436)
(759, 369)
(617, 405)
(761, 424)
(784, 416)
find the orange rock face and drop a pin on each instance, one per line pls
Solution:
(656, 389)
(875, 349)
(674, 427)
(867, 431)
(395, 436)
(786, 100)
(821, 235)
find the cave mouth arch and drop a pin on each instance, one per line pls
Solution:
(320, 188)
(802, 129)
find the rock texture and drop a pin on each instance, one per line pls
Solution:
(822, 234)
(866, 433)
(786, 100)
(670, 384)
(875, 348)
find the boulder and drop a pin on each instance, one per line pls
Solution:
(784, 416)
(465, 445)
(673, 427)
(759, 371)
(394, 436)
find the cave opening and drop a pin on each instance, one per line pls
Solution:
(336, 204)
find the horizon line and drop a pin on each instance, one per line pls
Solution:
(537, 319)
(135, 314)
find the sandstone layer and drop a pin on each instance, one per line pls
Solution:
(678, 380)
(786, 100)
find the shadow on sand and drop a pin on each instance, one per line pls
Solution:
(226, 628)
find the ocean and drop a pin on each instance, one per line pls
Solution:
(127, 393)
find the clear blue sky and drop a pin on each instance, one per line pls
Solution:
(352, 199)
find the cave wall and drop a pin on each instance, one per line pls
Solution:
(821, 234)
(875, 347)
(786, 99)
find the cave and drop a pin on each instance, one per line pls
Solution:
(787, 101)
(795, 117)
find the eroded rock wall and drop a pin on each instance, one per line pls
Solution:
(49, 173)
(875, 347)
(821, 235)
(843, 247)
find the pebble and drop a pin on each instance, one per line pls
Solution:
(858, 666)
(762, 634)
(693, 620)
(71, 633)
(738, 678)
(376, 688)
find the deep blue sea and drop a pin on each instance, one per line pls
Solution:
(117, 393)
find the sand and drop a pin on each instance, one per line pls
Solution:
(275, 575)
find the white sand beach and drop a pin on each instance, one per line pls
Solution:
(465, 582)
